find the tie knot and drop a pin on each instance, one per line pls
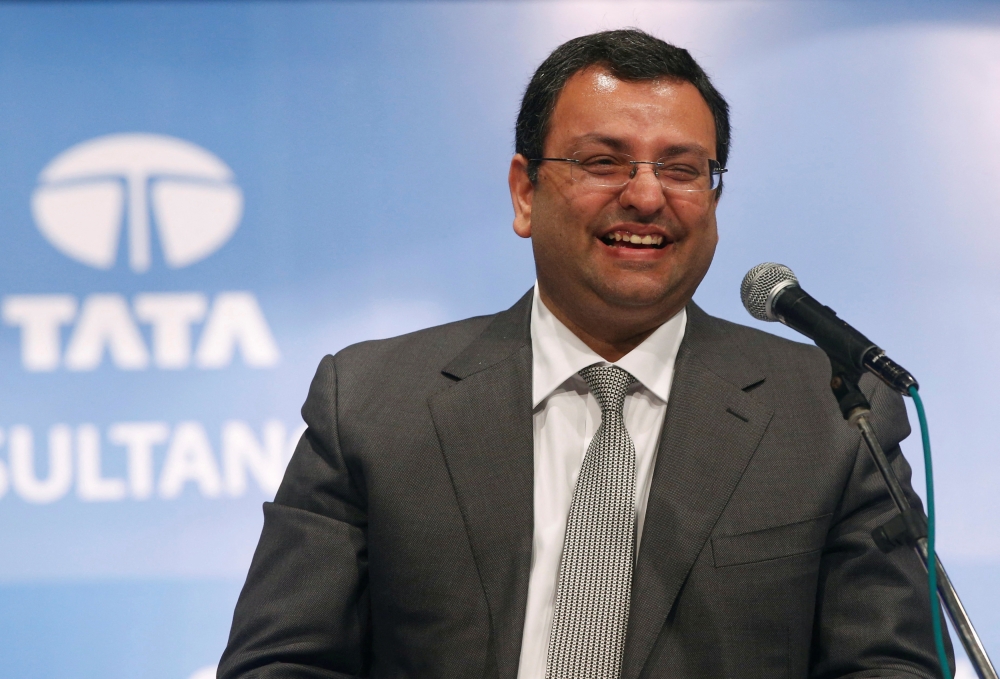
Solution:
(608, 384)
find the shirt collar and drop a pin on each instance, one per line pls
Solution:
(558, 354)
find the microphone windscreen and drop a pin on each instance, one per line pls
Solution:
(759, 283)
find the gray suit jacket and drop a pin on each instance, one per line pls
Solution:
(399, 543)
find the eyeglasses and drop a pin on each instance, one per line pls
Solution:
(685, 172)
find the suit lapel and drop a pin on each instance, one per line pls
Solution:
(484, 425)
(711, 431)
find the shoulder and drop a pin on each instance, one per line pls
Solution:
(403, 371)
(725, 342)
(381, 380)
(411, 357)
(794, 377)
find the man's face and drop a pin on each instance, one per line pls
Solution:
(575, 228)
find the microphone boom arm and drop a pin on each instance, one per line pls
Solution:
(909, 527)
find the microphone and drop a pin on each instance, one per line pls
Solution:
(771, 292)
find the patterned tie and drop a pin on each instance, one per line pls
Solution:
(595, 573)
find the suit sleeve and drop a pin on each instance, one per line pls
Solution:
(873, 609)
(304, 610)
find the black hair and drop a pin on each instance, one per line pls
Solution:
(629, 54)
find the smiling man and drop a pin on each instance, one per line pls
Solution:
(621, 208)
(602, 481)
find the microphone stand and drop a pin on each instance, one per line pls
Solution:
(909, 526)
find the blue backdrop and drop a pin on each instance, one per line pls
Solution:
(200, 200)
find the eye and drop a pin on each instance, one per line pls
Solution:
(602, 164)
(680, 172)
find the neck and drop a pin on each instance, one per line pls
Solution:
(611, 335)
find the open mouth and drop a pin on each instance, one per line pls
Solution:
(626, 239)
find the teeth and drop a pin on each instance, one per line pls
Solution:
(626, 237)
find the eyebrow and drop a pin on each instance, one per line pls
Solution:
(611, 142)
(680, 149)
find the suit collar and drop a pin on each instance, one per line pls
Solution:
(508, 332)
(704, 336)
(716, 347)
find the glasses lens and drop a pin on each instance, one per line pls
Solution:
(687, 173)
(600, 168)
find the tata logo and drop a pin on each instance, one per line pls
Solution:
(142, 182)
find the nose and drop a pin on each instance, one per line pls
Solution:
(643, 193)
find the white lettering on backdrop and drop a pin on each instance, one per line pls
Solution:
(189, 461)
(106, 324)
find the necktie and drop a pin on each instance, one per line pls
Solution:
(595, 572)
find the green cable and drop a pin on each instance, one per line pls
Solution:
(931, 555)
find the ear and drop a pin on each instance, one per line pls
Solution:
(522, 192)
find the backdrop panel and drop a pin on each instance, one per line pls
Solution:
(201, 200)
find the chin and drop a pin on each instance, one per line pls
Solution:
(635, 294)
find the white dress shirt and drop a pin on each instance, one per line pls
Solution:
(565, 417)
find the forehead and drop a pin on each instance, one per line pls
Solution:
(642, 117)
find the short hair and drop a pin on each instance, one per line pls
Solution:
(629, 54)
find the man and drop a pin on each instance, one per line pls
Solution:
(603, 480)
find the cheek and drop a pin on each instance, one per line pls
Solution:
(701, 237)
(706, 241)
(699, 222)
(566, 217)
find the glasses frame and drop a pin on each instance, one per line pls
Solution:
(715, 169)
